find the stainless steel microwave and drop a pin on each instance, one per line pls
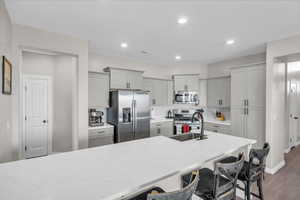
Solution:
(186, 97)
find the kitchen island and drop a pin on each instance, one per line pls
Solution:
(114, 171)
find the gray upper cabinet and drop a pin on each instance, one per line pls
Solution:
(186, 83)
(159, 91)
(125, 79)
(98, 89)
(218, 92)
(202, 92)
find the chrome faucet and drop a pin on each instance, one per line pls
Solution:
(200, 114)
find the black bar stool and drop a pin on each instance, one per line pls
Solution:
(219, 184)
(184, 194)
(253, 171)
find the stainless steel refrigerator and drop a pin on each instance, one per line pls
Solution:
(129, 111)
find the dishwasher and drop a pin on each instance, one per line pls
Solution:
(101, 137)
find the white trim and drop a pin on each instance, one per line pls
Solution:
(50, 111)
(276, 168)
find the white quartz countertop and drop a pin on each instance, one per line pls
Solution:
(216, 121)
(106, 125)
(109, 172)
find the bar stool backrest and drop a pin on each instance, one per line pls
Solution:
(229, 171)
(183, 194)
(257, 162)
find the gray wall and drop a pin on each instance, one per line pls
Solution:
(5, 100)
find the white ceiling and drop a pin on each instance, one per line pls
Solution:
(151, 25)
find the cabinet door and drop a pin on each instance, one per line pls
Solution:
(167, 129)
(256, 86)
(213, 93)
(192, 83)
(153, 131)
(160, 92)
(239, 87)
(148, 86)
(179, 83)
(119, 79)
(135, 80)
(255, 126)
(225, 95)
(238, 122)
(98, 90)
(170, 93)
(202, 93)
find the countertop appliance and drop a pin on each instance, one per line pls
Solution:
(186, 97)
(129, 111)
(183, 120)
(95, 118)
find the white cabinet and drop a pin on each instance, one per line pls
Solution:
(101, 137)
(159, 91)
(248, 88)
(125, 79)
(186, 83)
(98, 89)
(202, 92)
(218, 92)
(161, 129)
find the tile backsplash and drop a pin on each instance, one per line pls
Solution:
(162, 111)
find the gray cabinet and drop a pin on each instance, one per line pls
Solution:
(218, 92)
(98, 89)
(159, 91)
(125, 79)
(202, 92)
(101, 137)
(161, 129)
(186, 83)
(248, 102)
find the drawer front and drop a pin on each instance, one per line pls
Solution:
(100, 137)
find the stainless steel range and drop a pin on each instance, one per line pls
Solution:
(183, 120)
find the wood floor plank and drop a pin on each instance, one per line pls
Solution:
(285, 184)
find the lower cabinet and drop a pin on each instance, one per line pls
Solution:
(161, 129)
(101, 137)
(218, 128)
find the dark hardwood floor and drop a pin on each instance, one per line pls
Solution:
(285, 184)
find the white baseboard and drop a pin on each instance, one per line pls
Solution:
(276, 168)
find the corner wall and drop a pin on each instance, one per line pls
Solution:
(5, 100)
(275, 99)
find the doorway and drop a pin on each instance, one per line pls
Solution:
(293, 99)
(49, 99)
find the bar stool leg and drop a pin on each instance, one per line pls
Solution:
(248, 186)
(260, 189)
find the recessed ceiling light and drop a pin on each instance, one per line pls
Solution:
(182, 20)
(124, 45)
(230, 42)
(178, 57)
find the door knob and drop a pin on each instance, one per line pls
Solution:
(295, 117)
(44, 121)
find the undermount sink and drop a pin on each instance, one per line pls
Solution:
(189, 136)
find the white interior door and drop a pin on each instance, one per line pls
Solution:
(36, 117)
(293, 111)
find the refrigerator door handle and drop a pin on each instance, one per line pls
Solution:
(134, 115)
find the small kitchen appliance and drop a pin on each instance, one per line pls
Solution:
(95, 117)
